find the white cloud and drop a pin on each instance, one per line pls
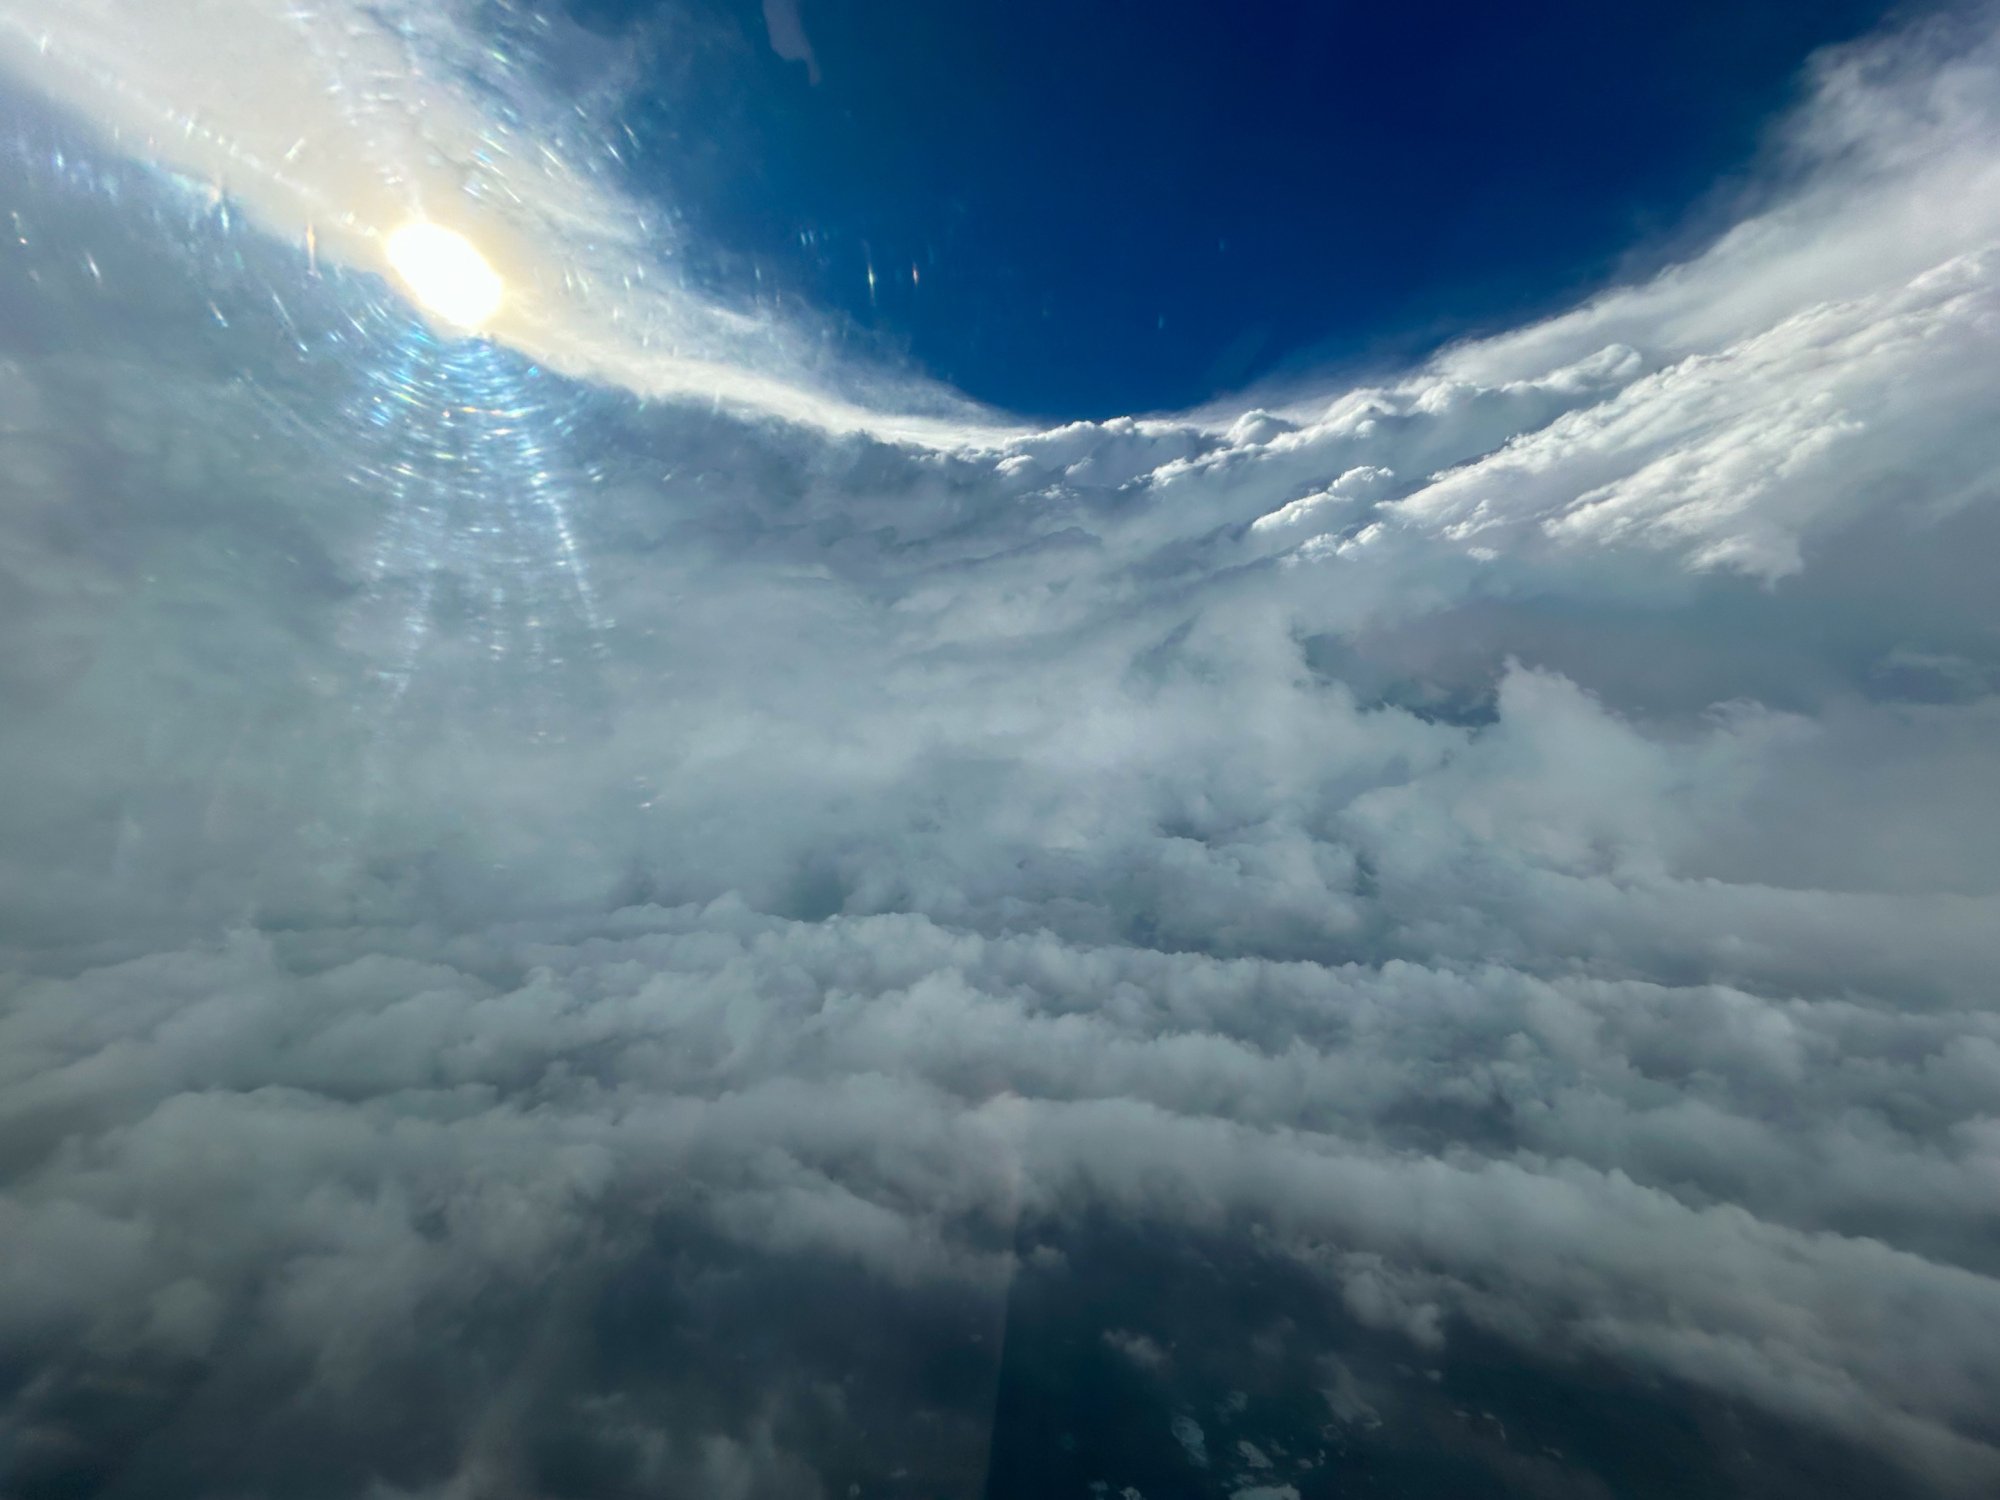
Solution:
(332, 126)
(1513, 844)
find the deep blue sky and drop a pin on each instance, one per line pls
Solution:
(1123, 205)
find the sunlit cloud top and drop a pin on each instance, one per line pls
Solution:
(341, 124)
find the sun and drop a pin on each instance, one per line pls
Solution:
(447, 274)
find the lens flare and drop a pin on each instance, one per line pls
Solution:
(447, 274)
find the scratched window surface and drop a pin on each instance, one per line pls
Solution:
(647, 848)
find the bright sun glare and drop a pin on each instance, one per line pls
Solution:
(446, 273)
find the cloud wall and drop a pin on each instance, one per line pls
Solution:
(560, 941)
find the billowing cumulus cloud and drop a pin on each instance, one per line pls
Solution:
(560, 942)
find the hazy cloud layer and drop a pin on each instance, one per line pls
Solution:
(564, 944)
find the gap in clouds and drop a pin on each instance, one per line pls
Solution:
(1083, 211)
